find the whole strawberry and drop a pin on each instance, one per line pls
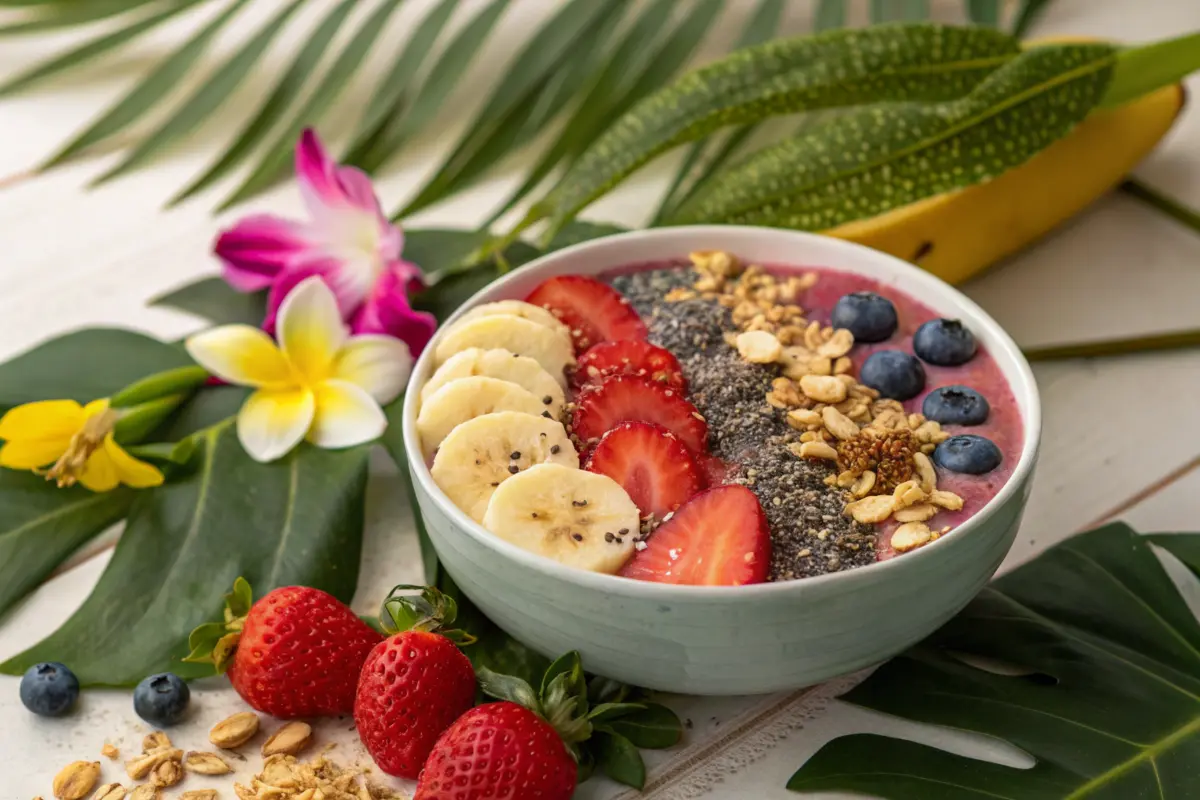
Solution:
(297, 652)
(414, 684)
(524, 758)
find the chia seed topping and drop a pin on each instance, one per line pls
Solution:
(809, 533)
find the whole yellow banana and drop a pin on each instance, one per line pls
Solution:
(956, 235)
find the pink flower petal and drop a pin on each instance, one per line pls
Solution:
(257, 249)
(316, 173)
(388, 311)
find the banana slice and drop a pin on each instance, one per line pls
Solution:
(515, 334)
(480, 454)
(467, 398)
(519, 308)
(579, 518)
(521, 370)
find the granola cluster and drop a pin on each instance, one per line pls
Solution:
(881, 452)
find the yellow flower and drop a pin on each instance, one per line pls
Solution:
(318, 383)
(75, 441)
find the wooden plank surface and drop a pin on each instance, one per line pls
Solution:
(1120, 434)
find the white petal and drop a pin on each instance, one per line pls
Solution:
(240, 354)
(346, 416)
(310, 329)
(271, 423)
(379, 364)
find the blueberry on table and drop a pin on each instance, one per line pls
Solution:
(161, 699)
(956, 405)
(968, 453)
(869, 316)
(49, 689)
(893, 374)
(944, 342)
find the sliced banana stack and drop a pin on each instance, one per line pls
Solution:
(481, 454)
(467, 398)
(519, 308)
(550, 348)
(582, 519)
(505, 365)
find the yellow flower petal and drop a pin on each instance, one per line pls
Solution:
(273, 422)
(31, 454)
(310, 329)
(130, 470)
(346, 415)
(95, 407)
(100, 474)
(45, 419)
(379, 364)
(243, 355)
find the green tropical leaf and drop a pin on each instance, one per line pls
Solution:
(1027, 14)
(68, 15)
(761, 28)
(41, 525)
(899, 11)
(93, 48)
(1105, 695)
(278, 154)
(984, 12)
(1124, 346)
(288, 88)
(558, 46)
(194, 111)
(306, 511)
(396, 83)
(143, 97)
(210, 406)
(1141, 70)
(453, 61)
(618, 758)
(867, 161)
(216, 301)
(837, 68)
(609, 88)
(84, 366)
(831, 15)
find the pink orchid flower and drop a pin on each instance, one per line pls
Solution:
(349, 243)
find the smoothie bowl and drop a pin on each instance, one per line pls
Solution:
(721, 460)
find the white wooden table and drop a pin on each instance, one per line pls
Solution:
(1122, 438)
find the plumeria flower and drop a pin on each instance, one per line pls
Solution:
(76, 443)
(349, 243)
(319, 382)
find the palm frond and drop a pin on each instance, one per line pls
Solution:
(56, 15)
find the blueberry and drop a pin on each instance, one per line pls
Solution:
(870, 317)
(944, 342)
(968, 453)
(894, 374)
(161, 699)
(956, 405)
(49, 689)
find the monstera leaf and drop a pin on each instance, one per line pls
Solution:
(1105, 695)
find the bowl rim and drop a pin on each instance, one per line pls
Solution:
(1026, 395)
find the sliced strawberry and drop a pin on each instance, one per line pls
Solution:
(718, 538)
(629, 357)
(625, 398)
(654, 467)
(594, 311)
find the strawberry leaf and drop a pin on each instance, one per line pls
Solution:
(507, 687)
(619, 759)
(653, 727)
(610, 711)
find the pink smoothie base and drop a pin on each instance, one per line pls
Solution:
(1003, 425)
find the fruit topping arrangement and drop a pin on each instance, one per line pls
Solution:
(697, 426)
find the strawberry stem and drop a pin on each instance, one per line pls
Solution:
(216, 642)
(430, 611)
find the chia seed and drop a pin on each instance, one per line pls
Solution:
(748, 435)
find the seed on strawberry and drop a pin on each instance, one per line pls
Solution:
(651, 464)
(718, 538)
(414, 685)
(625, 398)
(594, 311)
(629, 357)
(297, 652)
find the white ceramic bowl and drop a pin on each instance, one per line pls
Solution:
(732, 640)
